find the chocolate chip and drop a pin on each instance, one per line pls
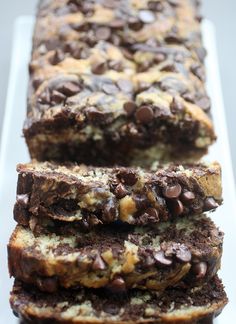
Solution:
(135, 23)
(110, 308)
(199, 71)
(210, 203)
(98, 263)
(118, 285)
(176, 106)
(103, 33)
(110, 212)
(125, 85)
(144, 114)
(127, 177)
(57, 57)
(172, 191)
(94, 115)
(204, 103)
(147, 16)
(161, 258)
(188, 96)
(200, 270)
(69, 89)
(120, 191)
(110, 89)
(174, 3)
(183, 254)
(187, 197)
(176, 207)
(130, 107)
(169, 67)
(117, 24)
(57, 97)
(152, 214)
(99, 68)
(23, 199)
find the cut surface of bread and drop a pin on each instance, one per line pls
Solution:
(120, 256)
(52, 195)
(185, 305)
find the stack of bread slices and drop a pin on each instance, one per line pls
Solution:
(113, 210)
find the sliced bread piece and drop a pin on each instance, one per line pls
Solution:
(49, 194)
(188, 305)
(119, 256)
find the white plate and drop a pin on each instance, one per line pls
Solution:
(13, 151)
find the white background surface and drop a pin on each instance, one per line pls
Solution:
(14, 151)
(221, 12)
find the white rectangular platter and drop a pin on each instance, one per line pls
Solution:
(13, 151)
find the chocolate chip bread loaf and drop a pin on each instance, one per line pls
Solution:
(52, 195)
(119, 256)
(118, 82)
(186, 305)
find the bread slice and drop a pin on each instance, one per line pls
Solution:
(119, 257)
(50, 194)
(185, 305)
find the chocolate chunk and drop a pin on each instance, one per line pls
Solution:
(172, 192)
(144, 114)
(120, 191)
(210, 203)
(170, 83)
(23, 199)
(110, 212)
(130, 107)
(161, 258)
(204, 103)
(127, 177)
(200, 269)
(147, 16)
(57, 97)
(110, 89)
(135, 23)
(183, 254)
(69, 88)
(187, 197)
(176, 207)
(125, 85)
(99, 68)
(188, 96)
(98, 263)
(103, 33)
(118, 285)
(57, 57)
